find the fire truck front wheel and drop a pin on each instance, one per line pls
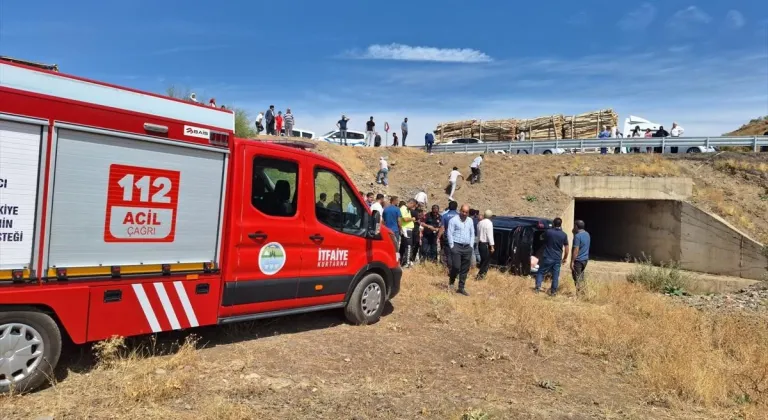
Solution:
(367, 301)
(30, 346)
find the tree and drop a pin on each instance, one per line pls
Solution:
(242, 119)
(243, 126)
(178, 92)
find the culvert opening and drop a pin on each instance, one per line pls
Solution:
(631, 229)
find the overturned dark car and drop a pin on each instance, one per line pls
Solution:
(518, 239)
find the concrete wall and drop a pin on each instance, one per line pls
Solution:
(568, 220)
(710, 245)
(626, 187)
(634, 229)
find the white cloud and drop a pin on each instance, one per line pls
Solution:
(735, 19)
(409, 53)
(690, 14)
(639, 18)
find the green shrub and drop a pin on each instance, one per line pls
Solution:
(664, 278)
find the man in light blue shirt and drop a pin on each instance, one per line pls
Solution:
(580, 256)
(606, 133)
(461, 236)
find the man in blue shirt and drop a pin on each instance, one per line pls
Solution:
(461, 236)
(391, 218)
(342, 125)
(429, 141)
(444, 219)
(555, 254)
(604, 135)
(580, 256)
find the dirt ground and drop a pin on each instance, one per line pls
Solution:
(435, 355)
(731, 185)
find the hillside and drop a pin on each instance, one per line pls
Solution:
(756, 127)
(731, 185)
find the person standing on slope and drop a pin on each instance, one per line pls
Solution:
(404, 129)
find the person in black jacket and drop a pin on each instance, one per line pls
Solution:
(661, 132)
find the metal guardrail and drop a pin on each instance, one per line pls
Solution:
(538, 147)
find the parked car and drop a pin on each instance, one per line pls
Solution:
(354, 138)
(298, 132)
(470, 140)
(517, 239)
(463, 140)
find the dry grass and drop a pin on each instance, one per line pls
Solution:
(676, 351)
(656, 166)
(734, 166)
(504, 341)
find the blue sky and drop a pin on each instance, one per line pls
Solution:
(701, 63)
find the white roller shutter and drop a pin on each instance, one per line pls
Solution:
(19, 167)
(124, 201)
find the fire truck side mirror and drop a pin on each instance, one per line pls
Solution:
(373, 224)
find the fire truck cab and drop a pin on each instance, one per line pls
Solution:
(125, 213)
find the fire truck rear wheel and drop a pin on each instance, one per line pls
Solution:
(367, 301)
(30, 346)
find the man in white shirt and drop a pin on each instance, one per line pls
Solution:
(421, 198)
(259, 125)
(475, 168)
(453, 177)
(378, 205)
(485, 243)
(676, 130)
(382, 177)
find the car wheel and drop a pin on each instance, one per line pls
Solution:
(693, 150)
(547, 152)
(30, 346)
(366, 303)
(522, 152)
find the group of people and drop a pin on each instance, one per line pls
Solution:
(461, 236)
(275, 123)
(372, 136)
(613, 132)
(555, 252)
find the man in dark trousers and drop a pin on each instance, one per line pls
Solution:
(442, 238)
(270, 119)
(555, 253)
(404, 130)
(432, 224)
(429, 141)
(461, 234)
(580, 256)
(485, 243)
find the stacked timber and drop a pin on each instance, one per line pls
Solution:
(550, 127)
(588, 125)
(491, 130)
(542, 128)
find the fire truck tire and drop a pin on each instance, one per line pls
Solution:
(367, 301)
(37, 333)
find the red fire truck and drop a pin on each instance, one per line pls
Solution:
(125, 213)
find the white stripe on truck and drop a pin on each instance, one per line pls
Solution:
(167, 306)
(188, 309)
(149, 313)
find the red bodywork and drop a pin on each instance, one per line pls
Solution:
(83, 308)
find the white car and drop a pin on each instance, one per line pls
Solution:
(354, 138)
(298, 132)
(519, 151)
